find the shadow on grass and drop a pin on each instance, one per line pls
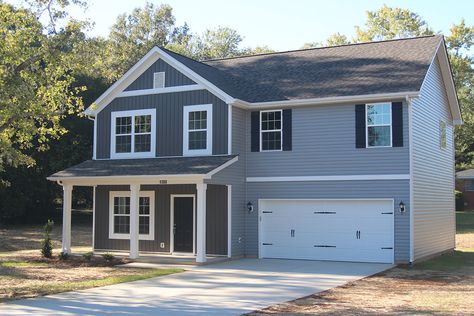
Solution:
(458, 260)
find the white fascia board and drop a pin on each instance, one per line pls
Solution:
(325, 101)
(221, 167)
(144, 179)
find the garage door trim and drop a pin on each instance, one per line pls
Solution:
(392, 200)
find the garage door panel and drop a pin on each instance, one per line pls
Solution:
(344, 230)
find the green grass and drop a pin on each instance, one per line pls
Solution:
(16, 264)
(465, 222)
(455, 261)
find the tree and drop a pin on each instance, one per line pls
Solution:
(37, 86)
(390, 23)
(334, 39)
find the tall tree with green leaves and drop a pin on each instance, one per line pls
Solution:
(37, 84)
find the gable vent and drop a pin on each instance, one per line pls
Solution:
(158, 80)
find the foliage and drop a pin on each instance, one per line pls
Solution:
(63, 255)
(333, 40)
(108, 257)
(88, 255)
(47, 245)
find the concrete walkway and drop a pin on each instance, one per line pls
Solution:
(228, 288)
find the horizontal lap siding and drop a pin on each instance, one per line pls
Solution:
(169, 120)
(172, 77)
(216, 218)
(433, 169)
(324, 144)
(235, 175)
(393, 189)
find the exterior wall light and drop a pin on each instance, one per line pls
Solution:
(402, 207)
(250, 207)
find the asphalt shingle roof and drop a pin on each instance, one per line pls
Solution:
(140, 167)
(465, 174)
(347, 70)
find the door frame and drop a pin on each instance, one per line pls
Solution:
(172, 196)
(260, 223)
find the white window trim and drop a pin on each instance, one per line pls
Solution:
(154, 79)
(151, 195)
(271, 130)
(133, 154)
(194, 108)
(375, 125)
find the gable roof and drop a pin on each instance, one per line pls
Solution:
(394, 68)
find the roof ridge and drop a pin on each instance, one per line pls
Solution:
(316, 48)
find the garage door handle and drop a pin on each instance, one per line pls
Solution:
(292, 233)
(357, 234)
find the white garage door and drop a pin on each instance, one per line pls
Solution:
(340, 230)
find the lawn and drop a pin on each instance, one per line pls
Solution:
(441, 286)
(24, 273)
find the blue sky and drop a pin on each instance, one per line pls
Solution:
(282, 25)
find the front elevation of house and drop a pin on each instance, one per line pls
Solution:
(342, 153)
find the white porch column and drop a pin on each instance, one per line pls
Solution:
(134, 191)
(201, 222)
(67, 205)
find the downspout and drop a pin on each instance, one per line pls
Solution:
(412, 208)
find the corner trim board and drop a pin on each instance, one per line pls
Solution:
(331, 178)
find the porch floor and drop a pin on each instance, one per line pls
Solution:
(165, 259)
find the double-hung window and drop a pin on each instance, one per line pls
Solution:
(119, 221)
(197, 133)
(379, 125)
(133, 134)
(271, 130)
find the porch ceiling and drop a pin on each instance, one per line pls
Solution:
(152, 167)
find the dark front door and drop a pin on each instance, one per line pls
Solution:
(183, 224)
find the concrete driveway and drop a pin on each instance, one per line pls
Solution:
(228, 288)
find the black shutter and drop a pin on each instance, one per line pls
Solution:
(397, 124)
(287, 130)
(360, 125)
(255, 131)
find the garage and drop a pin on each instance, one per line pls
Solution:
(360, 230)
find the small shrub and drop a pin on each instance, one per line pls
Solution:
(46, 244)
(88, 255)
(63, 255)
(108, 257)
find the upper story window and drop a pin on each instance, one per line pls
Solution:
(197, 130)
(271, 130)
(159, 80)
(119, 218)
(442, 134)
(133, 134)
(379, 125)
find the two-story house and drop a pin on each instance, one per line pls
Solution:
(338, 153)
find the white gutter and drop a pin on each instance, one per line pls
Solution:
(324, 101)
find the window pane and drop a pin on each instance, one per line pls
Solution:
(379, 136)
(271, 140)
(271, 121)
(121, 224)
(121, 205)
(197, 120)
(144, 206)
(143, 124)
(198, 140)
(378, 114)
(144, 225)
(143, 143)
(123, 125)
(123, 144)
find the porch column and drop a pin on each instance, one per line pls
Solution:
(67, 205)
(201, 222)
(134, 191)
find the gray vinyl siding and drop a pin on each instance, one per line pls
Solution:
(169, 120)
(398, 190)
(216, 220)
(235, 175)
(172, 77)
(433, 169)
(324, 144)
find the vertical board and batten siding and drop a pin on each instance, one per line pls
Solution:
(433, 169)
(399, 190)
(235, 175)
(324, 144)
(216, 220)
(173, 77)
(169, 120)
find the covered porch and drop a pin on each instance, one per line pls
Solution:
(161, 208)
